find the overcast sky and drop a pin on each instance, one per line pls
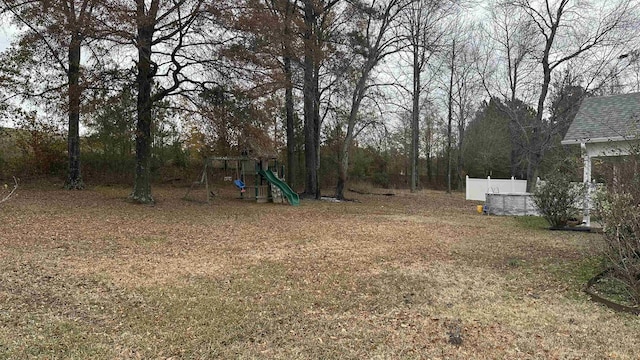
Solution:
(5, 35)
(4, 42)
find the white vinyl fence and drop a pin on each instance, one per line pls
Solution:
(478, 188)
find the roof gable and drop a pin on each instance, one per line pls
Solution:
(605, 118)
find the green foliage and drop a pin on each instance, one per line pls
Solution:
(487, 147)
(495, 140)
(112, 126)
(556, 199)
(106, 168)
(366, 165)
(108, 152)
(369, 165)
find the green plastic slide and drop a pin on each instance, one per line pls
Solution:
(291, 195)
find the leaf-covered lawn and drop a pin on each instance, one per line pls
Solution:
(89, 275)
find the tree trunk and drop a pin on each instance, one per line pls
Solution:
(460, 164)
(310, 150)
(356, 100)
(142, 184)
(343, 164)
(288, 97)
(74, 179)
(415, 117)
(343, 170)
(427, 142)
(514, 133)
(450, 117)
(291, 139)
(536, 148)
(316, 125)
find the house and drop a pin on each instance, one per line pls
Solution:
(604, 126)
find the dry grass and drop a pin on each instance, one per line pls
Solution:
(88, 275)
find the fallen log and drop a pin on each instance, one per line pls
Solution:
(370, 193)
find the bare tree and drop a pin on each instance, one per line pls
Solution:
(568, 30)
(374, 39)
(421, 22)
(508, 72)
(467, 86)
(509, 40)
(450, 105)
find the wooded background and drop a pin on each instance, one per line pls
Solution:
(397, 93)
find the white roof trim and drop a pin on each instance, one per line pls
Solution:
(595, 140)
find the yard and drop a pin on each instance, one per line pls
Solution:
(89, 275)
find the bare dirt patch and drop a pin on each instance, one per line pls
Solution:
(89, 275)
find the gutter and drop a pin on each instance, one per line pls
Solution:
(595, 140)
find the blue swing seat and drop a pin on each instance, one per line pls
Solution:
(239, 184)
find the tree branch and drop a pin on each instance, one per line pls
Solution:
(10, 193)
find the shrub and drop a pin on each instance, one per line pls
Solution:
(41, 148)
(556, 199)
(619, 212)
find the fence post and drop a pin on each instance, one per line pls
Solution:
(513, 185)
(466, 186)
(489, 191)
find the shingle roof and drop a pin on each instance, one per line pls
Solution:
(605, 118)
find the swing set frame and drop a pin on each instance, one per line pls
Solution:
(243, 164)
(208, 163)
